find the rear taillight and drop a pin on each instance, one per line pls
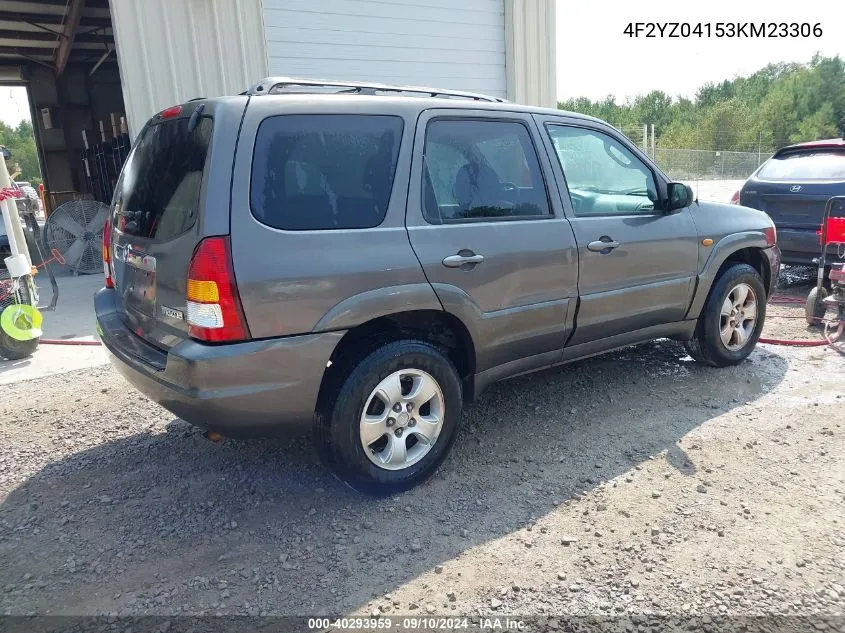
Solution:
(734, 198)
(107, 269)
(214, 307)
(771, 234)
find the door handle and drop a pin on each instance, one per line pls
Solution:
(605, 244)
(456, 261)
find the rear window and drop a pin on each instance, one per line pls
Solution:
(805, 166)
(324, 171)
(157, 195)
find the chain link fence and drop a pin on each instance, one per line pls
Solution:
(703, 164)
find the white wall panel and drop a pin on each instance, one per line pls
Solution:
(531, 52)
(440, 43)
(170, 51)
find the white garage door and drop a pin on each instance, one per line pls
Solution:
(426, 42)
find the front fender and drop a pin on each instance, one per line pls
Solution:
(719, 254)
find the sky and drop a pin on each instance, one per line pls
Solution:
(595, 58)
(14, 106)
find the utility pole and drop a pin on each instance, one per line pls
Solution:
(645, 138)
(653, 144)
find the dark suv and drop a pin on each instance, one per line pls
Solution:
(363, 260)
(793, 187)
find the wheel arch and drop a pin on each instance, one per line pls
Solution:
(744, 248)
(438, 327)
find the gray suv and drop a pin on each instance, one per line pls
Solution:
(364, 259)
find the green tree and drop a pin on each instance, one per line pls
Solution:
(779, 104)
(20, 140)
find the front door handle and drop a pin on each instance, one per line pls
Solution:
(459, 260)
(604, 245)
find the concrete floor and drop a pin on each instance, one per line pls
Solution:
(73, 319)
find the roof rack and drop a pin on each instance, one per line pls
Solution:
(297, 85)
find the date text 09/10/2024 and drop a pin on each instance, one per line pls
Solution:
(773, 30)
(418, 623)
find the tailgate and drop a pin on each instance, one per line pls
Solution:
(157, 218)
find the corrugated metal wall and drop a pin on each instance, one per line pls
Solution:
(531, 52)
(427, 42)
(170, 51)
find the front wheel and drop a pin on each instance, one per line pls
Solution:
(393, 419)
(732, 318)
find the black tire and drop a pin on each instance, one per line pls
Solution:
(12, 349)
(814, 309)
(706, 346)
(337, 434)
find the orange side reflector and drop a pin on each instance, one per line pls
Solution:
(202, 291)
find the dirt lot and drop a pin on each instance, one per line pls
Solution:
(637, 482)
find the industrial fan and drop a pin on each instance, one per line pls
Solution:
(75, 229)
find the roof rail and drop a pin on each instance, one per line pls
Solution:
(301, 85)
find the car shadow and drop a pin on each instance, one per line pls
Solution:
(169, 522)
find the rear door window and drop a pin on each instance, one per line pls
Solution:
(157, 195)
(324, 171)
(805, 166)
(481, 170)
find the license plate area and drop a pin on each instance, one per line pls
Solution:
(138, 283)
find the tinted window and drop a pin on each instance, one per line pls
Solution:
(805, 166)
(481, 169)
(324, 171)
(603, 176)
(157, 194)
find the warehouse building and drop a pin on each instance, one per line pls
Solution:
(96, 67)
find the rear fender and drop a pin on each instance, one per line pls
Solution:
(372, 304)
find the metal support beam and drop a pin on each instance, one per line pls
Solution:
(50, 36)
(49, 18)
(74, 14)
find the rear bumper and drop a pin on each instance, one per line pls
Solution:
(240, 389)
(801, 246)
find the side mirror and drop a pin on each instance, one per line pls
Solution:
(680, 196)
(7, 153)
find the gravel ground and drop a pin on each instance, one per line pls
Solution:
(633, 483)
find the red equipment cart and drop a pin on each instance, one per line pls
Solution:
(832, 232)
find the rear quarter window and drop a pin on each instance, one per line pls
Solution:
(805, 166)
(324, 171)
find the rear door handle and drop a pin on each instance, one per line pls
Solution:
(456, 261)
(604, 244)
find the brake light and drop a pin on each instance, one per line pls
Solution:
(214, 307)
(171, 112)
(771, 234)
(107, 254)
(735, 198)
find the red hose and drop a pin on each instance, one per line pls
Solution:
(795, 342)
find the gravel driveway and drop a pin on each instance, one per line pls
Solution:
(633, 483)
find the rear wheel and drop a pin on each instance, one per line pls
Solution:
(814, 309)
(732, 319)
(393, 419)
